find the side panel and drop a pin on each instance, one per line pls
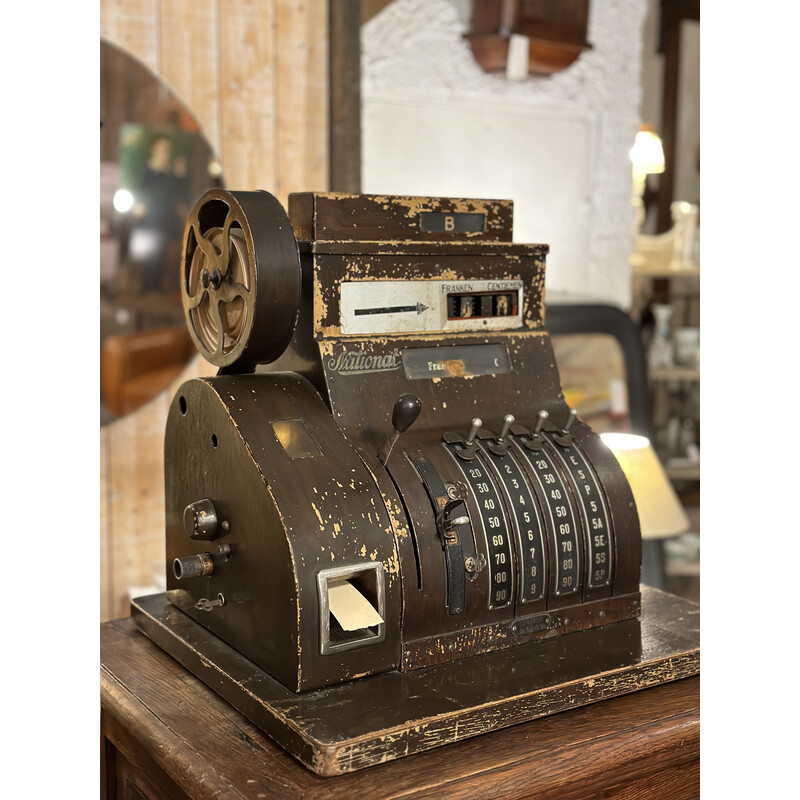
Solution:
(205, 457)
(311, 507)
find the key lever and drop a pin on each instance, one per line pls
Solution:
(565, 437)
(500, 445)
(508, 421)
(477, 424)
(404, 414)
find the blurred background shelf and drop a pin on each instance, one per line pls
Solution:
(676, 373)
(641, 270)
(683, 473)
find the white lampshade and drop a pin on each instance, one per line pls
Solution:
(647, 153)
(660, 512)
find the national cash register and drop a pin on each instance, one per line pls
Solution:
(383, 482)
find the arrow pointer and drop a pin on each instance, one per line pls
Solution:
(419, 308)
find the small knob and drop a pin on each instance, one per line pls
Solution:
(477, 424)
(571, 417)
(200, 520)
(405, 412)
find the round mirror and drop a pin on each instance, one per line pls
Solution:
(154, 163)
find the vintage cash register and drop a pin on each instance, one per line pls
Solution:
(383, 492)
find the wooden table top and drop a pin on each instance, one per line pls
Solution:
(642, 745)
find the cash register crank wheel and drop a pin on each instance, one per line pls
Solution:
(240, 279)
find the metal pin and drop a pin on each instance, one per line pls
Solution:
(508, 421)
(542, 418)
(392, 443)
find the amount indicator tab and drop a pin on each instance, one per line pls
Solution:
(426, 306)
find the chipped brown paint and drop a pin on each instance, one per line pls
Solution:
(343, 506)
(330, 733)
(327, 216)
(319, 530)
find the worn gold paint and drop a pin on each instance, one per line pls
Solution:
(414, 205)
(319, 517)
(455, 366)
(396, 515)
(321, 311)
(392, 564)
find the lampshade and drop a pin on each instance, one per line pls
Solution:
(660, 512)
(647, 153)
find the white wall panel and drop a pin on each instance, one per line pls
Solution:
(542, 159)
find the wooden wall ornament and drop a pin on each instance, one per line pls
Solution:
(255, 75)
(555, 31)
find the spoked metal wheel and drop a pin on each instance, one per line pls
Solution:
(241, 279)
(219, 293)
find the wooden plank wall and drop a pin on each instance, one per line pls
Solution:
(255, 75)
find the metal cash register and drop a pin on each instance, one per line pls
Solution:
(383, 478)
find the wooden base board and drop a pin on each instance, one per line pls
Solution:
(383, 717)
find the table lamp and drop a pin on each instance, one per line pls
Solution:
(647, 158)
(660, 512)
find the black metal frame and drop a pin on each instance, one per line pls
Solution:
(587, 318)
(583, 318)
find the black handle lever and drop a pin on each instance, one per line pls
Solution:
(405, 412)
(406, 409)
